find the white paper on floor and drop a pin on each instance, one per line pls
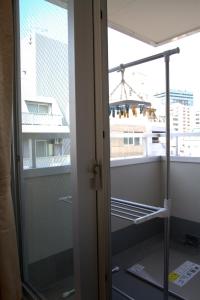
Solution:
(184, 273)
(139, 270)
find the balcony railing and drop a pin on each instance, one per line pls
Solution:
(42, 119)
(46, 162)
(153, 144)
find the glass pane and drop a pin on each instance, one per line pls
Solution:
(32, 107)
(138, 173)
(41, 148)
(46, 190)
(43, 108)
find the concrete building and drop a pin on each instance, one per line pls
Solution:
(45, 102)
(181, 117)
(177, 96)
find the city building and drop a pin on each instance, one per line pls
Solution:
(177, 96)
(196, 124)
(45, 102)
(181, 117)
(45, 134)
(134, 129)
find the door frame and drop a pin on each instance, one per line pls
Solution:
(91, 215)
(102, 147)
(93, 42)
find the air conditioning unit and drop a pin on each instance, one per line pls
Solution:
(57, 141)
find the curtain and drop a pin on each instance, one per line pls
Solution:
(10, 284)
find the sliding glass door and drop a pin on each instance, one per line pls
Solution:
(57, 149)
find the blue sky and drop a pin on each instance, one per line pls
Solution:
(42, 16)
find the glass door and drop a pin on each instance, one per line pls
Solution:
(58, 149)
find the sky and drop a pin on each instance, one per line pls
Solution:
(42, 16)
(51, 20)
(184, 67)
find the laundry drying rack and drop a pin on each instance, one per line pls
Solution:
(138, 213)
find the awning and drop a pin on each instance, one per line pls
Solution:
(154, 21)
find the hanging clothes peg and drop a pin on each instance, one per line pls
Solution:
(134, 110)
(124, 112)
(127, 110)
(121, 111)
(113, 112)
(144, 112)
(141, 109)
(152, 114)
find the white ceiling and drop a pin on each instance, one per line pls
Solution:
(154, 21)
(61, 3)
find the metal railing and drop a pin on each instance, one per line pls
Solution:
(46, 162)
(41, 119)
(151, 144)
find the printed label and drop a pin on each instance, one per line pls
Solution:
(137, 268)
(184, 273)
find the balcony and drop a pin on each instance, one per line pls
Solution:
(42, 119)
(46, 162)
(139, 178)
(153, 145)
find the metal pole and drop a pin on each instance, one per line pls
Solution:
(167, 183)
(144, 60)
(166, 55)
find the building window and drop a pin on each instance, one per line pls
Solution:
(155, 139)
(136, 141)
(41, 148)
(128, 140)
(39, 108)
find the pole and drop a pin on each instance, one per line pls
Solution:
(144, 60)
(167, 183)
(167, 200)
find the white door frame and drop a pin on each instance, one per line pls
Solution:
(89, 90)
(102, 147)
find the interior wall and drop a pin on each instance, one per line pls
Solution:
(185, 190)
(145, 183)
(136, 182)
(47, 220)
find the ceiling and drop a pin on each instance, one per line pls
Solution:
(61, 3)
(154, 21)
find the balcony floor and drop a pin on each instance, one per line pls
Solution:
(150, 255)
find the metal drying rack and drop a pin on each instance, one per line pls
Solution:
(139, 213)
(136, 212)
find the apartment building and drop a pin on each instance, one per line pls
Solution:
(181, 117)
(45, 101)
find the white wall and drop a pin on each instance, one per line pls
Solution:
(185, 190)
(145, 183)
(136, 182)
(47, 221)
